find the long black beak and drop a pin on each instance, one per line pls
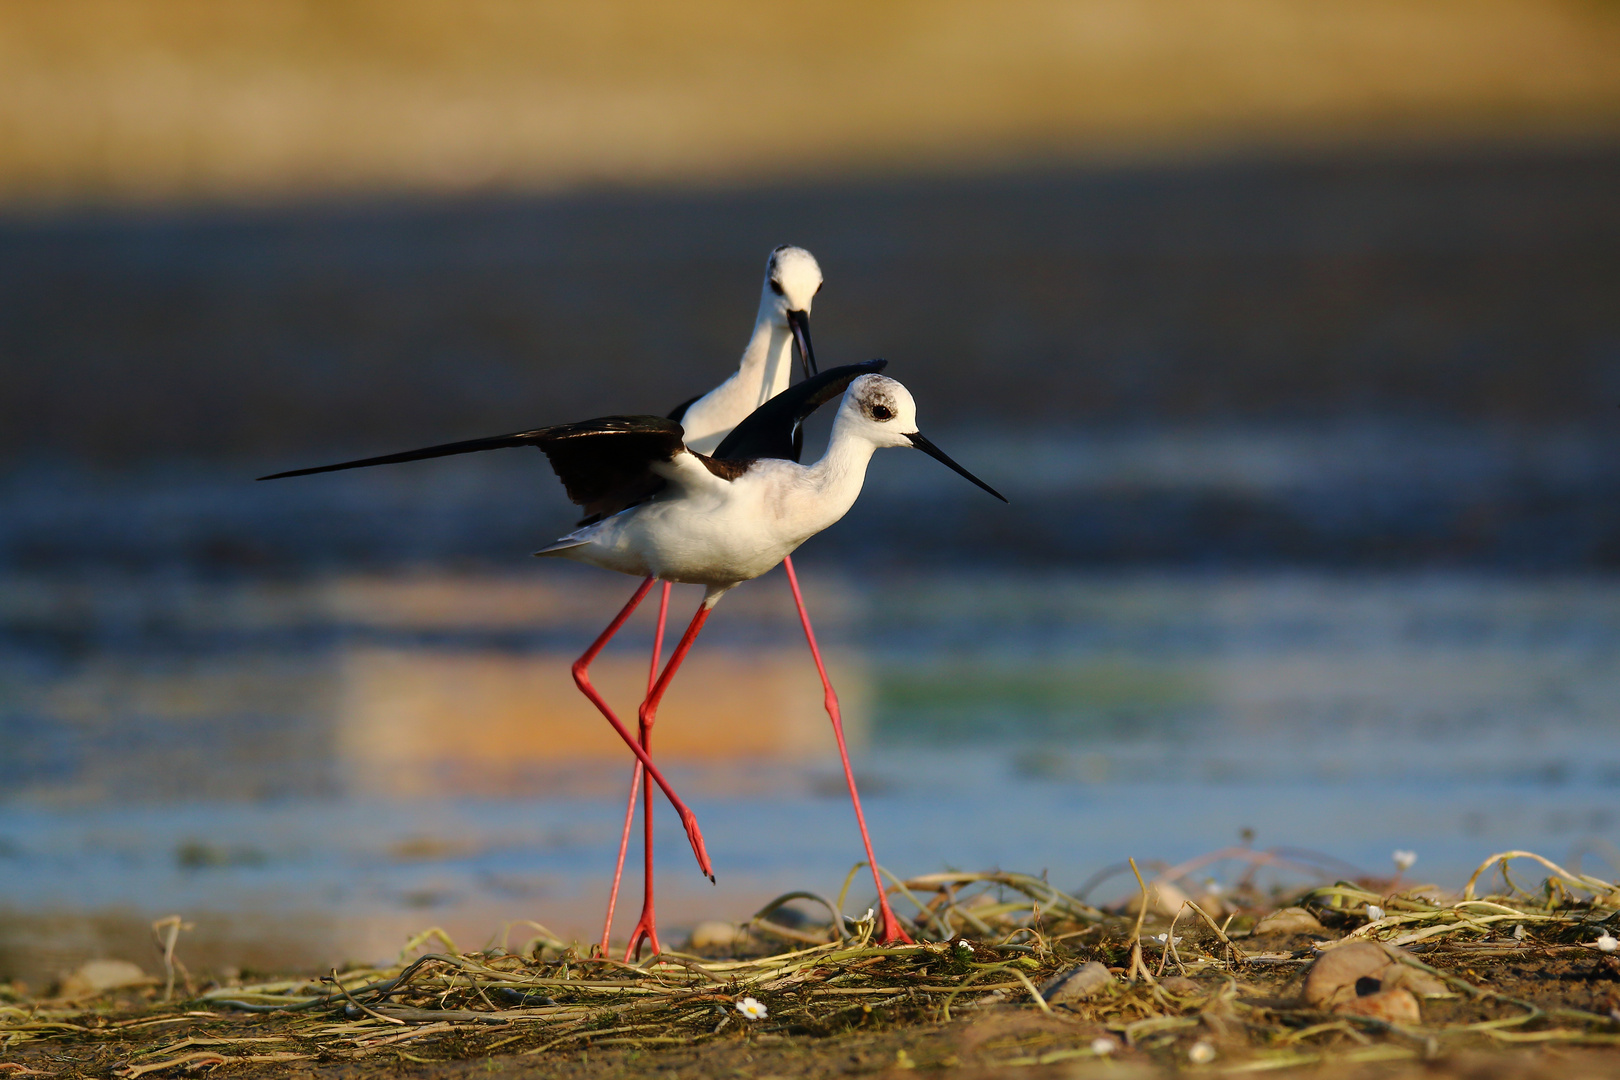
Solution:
(799, 323)
(940, 456)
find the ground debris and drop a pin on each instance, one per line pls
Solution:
(1386, 978)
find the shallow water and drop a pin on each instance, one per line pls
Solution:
(312, 769)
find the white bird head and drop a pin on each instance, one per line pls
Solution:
(792, 279)
(881, 411)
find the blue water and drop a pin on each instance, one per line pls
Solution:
(1037, 722)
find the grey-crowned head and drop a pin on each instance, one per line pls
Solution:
(883, 412)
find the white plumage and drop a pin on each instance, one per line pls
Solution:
(704, 529)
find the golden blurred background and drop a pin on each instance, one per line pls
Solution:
(117, 101)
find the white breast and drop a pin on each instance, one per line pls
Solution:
(731, 535)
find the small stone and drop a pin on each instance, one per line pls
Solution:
(1076, 983)
(1334, 976)
(714, 934)
(1290, 920)
(97, 976)
(1181, 986)
(1163, 899)
(1363, 969)
(1395, 1006)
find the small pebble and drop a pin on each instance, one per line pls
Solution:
(1289, 920)
(1201, 1053)
(1076, 983)
(1103, 1046)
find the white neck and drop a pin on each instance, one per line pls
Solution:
(765, 371)
(767, 363)
(835, 480)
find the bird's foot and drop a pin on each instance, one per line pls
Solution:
(646, 931)
(695, 835)
(889, 932)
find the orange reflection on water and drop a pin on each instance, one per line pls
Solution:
(415, 721)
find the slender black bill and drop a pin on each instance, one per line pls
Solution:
(940, 456)
(799, 323)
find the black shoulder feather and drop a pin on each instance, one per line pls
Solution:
(772, 430)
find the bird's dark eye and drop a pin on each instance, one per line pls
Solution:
(882, 412)
(776, 287)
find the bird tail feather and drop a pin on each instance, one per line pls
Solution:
(567, 543)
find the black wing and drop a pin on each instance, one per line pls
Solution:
(772, 430)
(602, 463)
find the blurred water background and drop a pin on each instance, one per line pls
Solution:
(1306, 404)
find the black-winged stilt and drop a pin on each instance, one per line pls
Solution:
(657, 510)
(792, 280)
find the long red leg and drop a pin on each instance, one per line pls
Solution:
(889, 930)
(583, 681)
(647, 926)
(635, 775)
(646, 929)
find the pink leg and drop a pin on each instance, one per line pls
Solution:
(889, 929)
(635, 776)
(583, 681)
(647, 926)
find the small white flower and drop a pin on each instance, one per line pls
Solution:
(1102, 1046)
(1201, 1053)
(868, 916)
(751, 1009)
(1606, 943)
(1518, 932)
(1164, 939)
(1374, 912)
(964, 945)
(1403, 860)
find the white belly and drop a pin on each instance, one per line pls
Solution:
(694, 541)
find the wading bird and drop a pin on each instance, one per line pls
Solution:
(792, 280)
(658, 510)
